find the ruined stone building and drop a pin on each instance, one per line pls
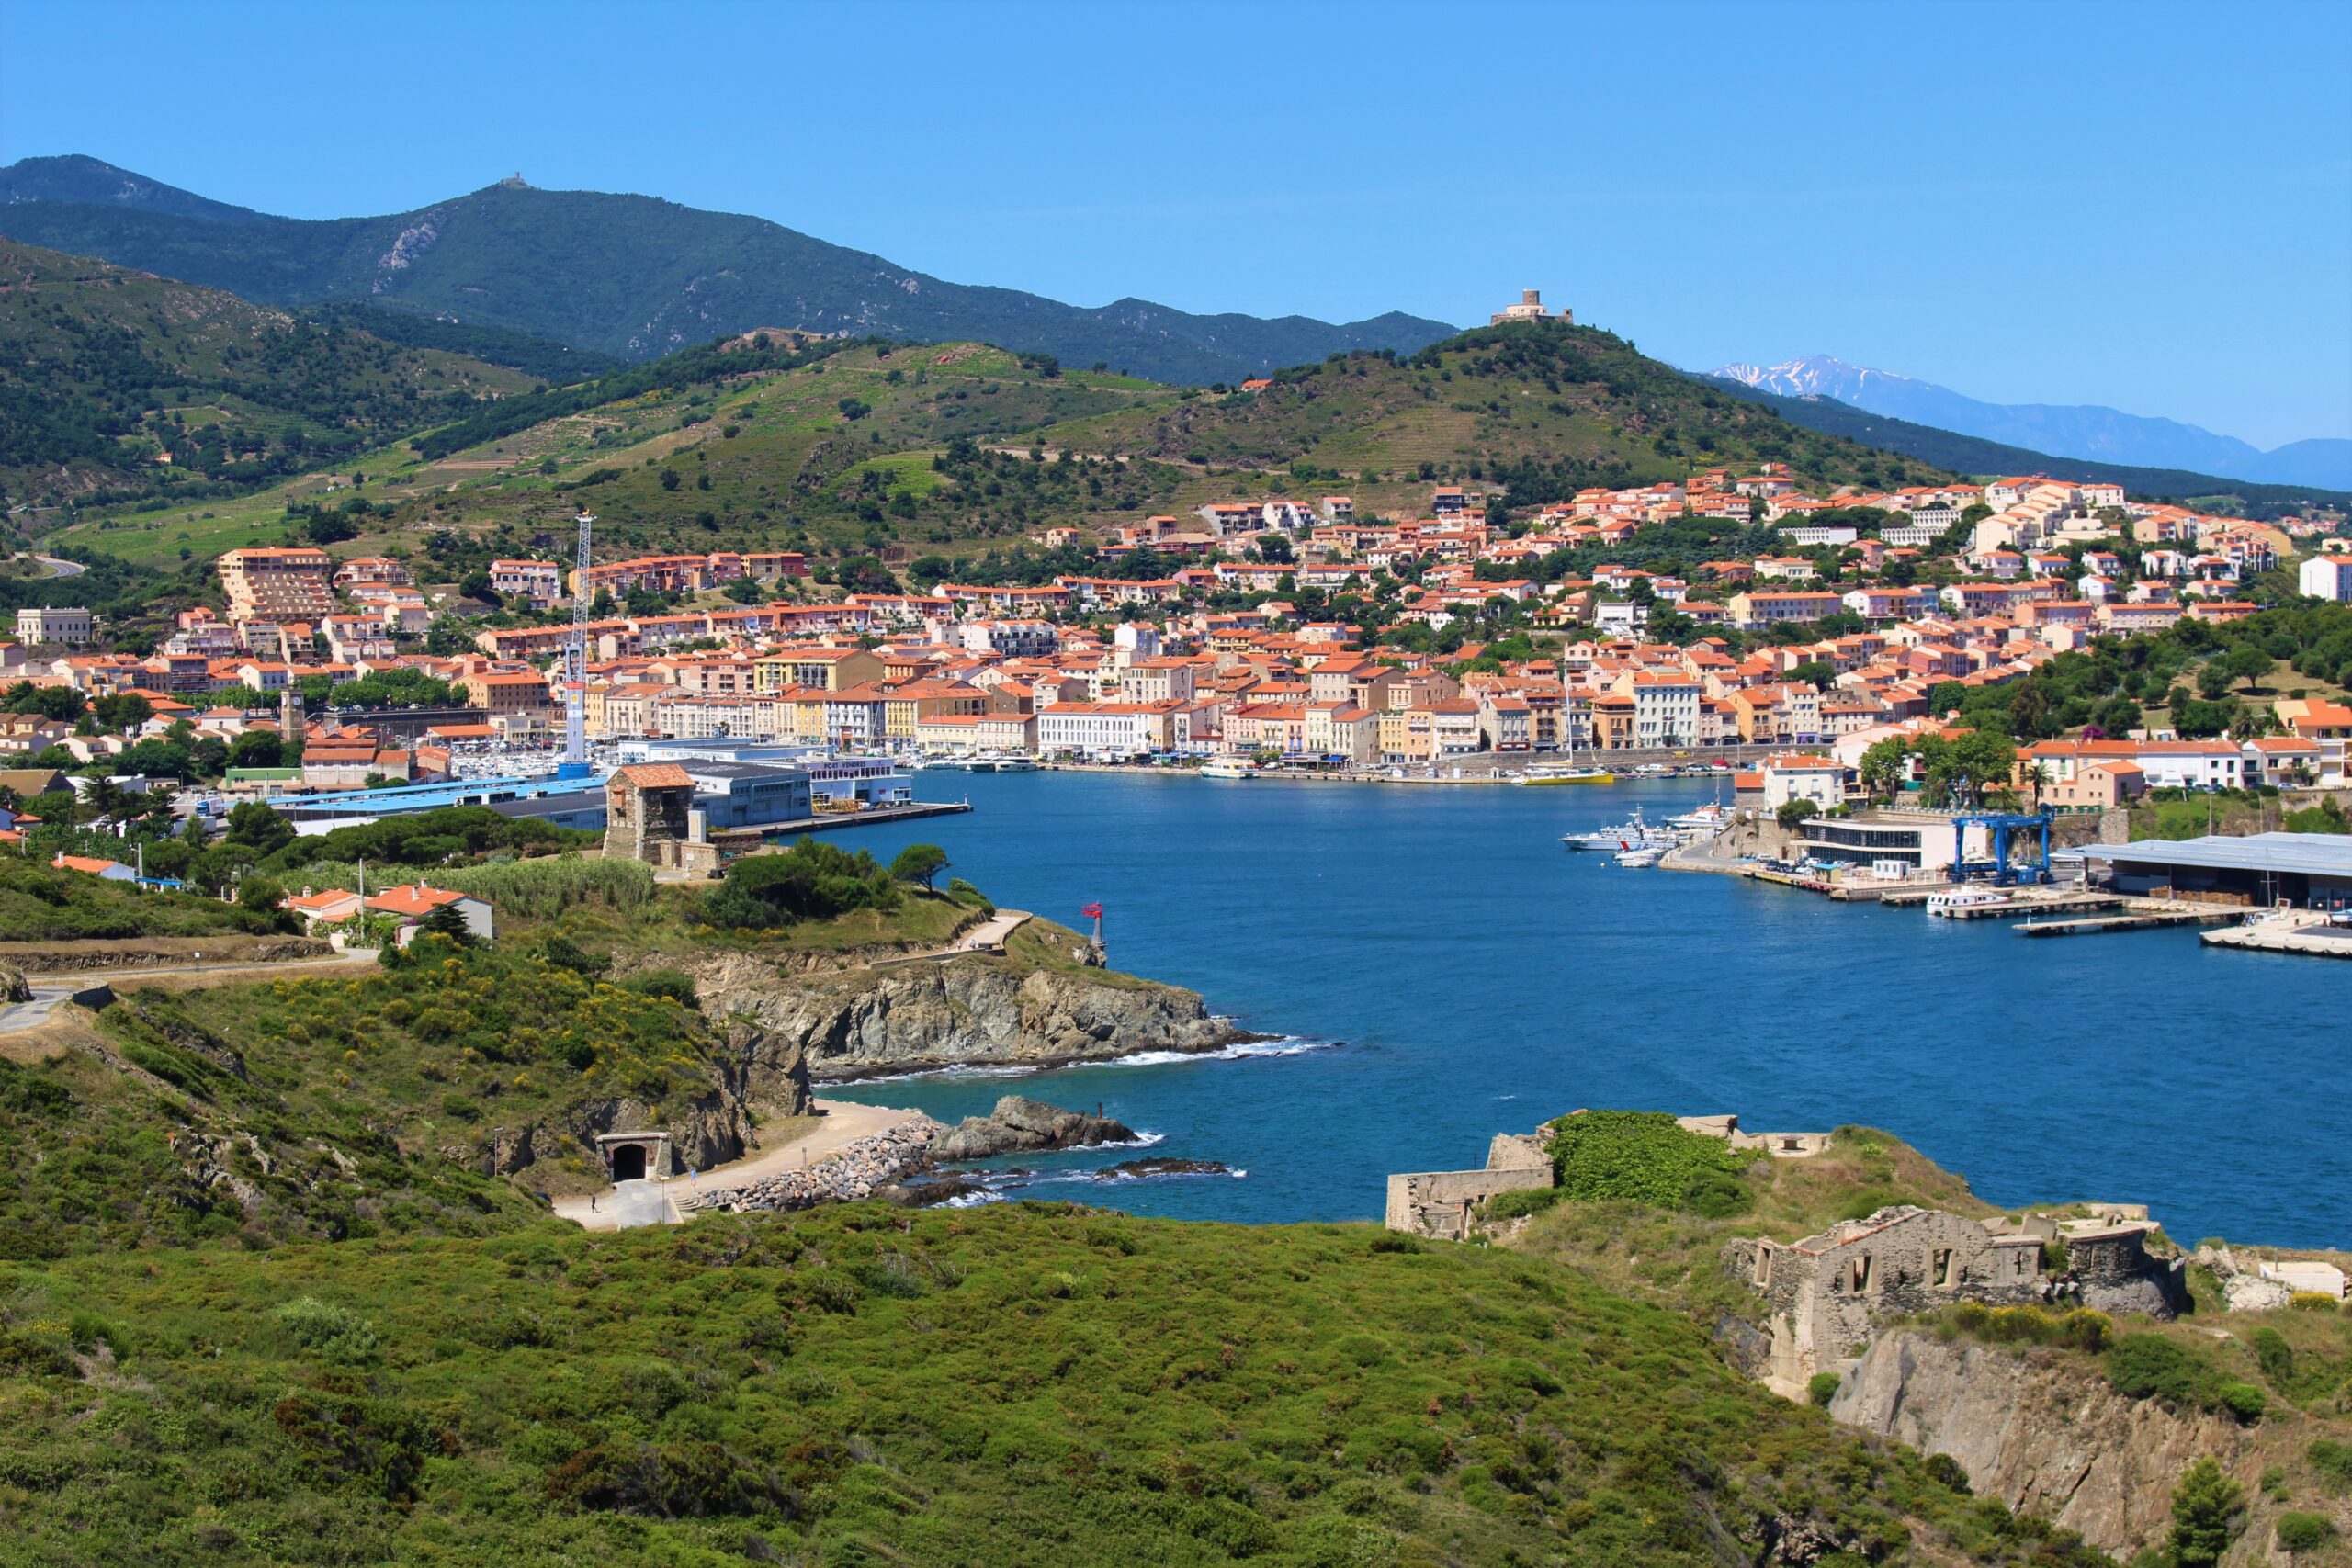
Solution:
(1827, 1295)
(1437, 1203)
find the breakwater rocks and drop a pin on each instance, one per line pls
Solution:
(859, 1170)
(975, 1012)
(1020, 1125)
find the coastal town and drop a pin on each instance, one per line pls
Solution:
(1873, 614)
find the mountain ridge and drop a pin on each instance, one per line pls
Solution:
(2085, 431)
(635, 277)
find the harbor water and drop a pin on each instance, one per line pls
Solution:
(1437, 968)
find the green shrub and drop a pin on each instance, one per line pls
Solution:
(1644, 1156)
(335, 1334)
(1823, 1387)
(2275, 1357)
(2304, 1532)
(1523, 1201)
(2149, 1366)
(2333, 1462)
(668, 985)
(810, 881)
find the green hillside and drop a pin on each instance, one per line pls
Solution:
(858, 448)
(841, 448)
(1035, 1384)
(1545, 409)
(629, 276)
(104, 371)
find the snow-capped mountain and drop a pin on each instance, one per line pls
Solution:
(2104, 435)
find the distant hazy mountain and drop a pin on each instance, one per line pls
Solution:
(2103, 434)
(629, 276)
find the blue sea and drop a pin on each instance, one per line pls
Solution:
(1438, 968)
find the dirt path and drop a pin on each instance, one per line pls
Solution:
(649, 1202)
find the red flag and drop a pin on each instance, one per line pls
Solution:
(1093, 911)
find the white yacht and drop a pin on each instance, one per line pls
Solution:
(1948, 902)
(1227, 768)
(1647, 855)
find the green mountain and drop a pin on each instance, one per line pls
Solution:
(1974, 455)
(923, 455)
(1544, 409)
(116, 384)
(629, 276)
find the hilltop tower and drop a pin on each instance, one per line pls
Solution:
(1529, 309)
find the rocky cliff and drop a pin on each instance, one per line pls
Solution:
(757, 1074)
(2039, 1430)
(974, 1010)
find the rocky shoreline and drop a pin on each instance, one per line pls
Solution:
(859, 1170)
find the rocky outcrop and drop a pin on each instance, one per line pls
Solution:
(758, 1073)
(1020, 1125)
(965, 1011)
(2038, 1430)
(13, 985)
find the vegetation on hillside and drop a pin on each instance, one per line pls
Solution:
(638, 278)
(1030, 1384)
(115, 384)
(1542, 410)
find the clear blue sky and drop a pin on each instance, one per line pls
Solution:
(2144, 205)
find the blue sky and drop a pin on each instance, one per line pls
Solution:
(2138, 205)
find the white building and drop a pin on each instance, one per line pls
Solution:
(57, 626)
(2321, 576)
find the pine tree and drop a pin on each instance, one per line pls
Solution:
(2206, 1510)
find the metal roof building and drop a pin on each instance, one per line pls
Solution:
(2302, 868)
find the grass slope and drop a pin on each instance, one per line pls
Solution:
(103, 371)
(1031, 1384)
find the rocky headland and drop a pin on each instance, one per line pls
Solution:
(974, 1010)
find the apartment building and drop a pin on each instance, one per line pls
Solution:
(293, 583)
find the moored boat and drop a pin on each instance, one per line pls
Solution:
(1636, 834)
(1561, 773)
(1948, 902)
(1226, 768)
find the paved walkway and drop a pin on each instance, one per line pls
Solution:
(986, 937)
(654, 1202)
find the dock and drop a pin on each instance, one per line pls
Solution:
(866, 818)
(2312, 937)
(2138, 914)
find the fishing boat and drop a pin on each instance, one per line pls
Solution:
(1948, 902)
(1634, 835)
(1646, 855)
(1226, 768)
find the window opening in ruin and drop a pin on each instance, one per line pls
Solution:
(1943, 1265)
(1862, 1272)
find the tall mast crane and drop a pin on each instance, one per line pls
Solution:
(575, 654)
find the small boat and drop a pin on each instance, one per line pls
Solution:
(1948, 902)
(1646, 855)
(1561, 773)
(1224, 768)
(1634, 835)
